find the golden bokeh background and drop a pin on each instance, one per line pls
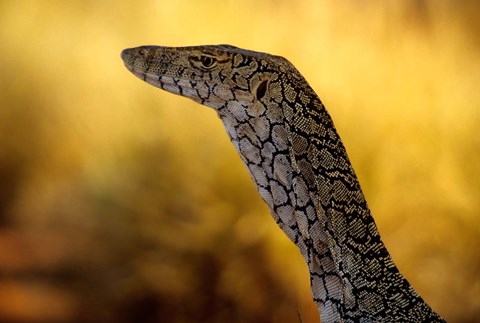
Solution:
(123, 203)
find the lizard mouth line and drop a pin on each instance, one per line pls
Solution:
(196, 90)
(173, 85)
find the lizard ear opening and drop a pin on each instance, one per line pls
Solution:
(261, 89)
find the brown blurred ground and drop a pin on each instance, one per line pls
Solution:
(120, 203)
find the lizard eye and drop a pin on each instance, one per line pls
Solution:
(207, 61)
(204, 62)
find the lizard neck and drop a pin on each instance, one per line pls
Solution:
(303, 173)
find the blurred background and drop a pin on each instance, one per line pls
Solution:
(123, 203)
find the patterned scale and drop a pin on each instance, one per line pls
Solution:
(288, 142)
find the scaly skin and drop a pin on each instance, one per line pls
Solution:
(289, 144)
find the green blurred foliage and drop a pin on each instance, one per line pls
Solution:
(121, 203)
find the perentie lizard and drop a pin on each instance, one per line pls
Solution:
(289, 144)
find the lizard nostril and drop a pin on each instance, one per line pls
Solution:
(142, 52)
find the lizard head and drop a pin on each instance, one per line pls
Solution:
(233, 81)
